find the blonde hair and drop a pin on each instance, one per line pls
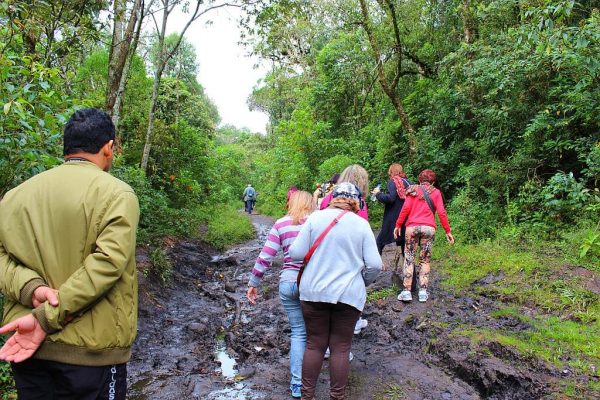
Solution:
(345, 204)
(301, 205)
(358, 176)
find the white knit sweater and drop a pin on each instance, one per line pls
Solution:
(346, 260)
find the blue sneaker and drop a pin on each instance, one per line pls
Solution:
(296, 390)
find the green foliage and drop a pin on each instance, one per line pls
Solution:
(333, 165)
(226, 226)
(534, 285)
(33, 115)
(391, 391)
(590, 246)
(92, 78)
(161, 265)
(530, 274)
(472, 219)
(157, 217)
(183, 66)
(179, 163)
(562, 343)
(55, 35)
(383, 293)
(508, 122)
(7, 384)
(562, 200)
(230, 166)
(563, 196)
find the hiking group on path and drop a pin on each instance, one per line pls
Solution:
(69, 279)
(330, 256)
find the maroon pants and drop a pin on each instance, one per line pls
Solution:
(327, 325)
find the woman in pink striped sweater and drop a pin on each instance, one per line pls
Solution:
(422, 201)
(282, 235)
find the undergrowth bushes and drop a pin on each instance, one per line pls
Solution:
(544, 283)
(226, 225)
(7, 383)
(159, 218)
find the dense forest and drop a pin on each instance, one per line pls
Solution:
(500, 97)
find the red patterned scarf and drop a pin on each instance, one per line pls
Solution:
(399, 182)
(413, 190)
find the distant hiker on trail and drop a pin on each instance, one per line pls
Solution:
(68, 274)
(281, 236)
(324, 189)
(422, 202)
(341, 258)
(249, 198)
(393, 201)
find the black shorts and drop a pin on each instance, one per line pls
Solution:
(48, 380)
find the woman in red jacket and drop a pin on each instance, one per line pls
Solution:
(422, 201)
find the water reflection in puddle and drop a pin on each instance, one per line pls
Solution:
(229, 371)
(228, 363)
(237, 392)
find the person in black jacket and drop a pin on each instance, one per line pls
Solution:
(393, 201)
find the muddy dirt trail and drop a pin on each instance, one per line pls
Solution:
(200, 339)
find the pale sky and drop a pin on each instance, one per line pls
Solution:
(225, 70)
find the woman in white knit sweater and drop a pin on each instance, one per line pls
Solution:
(333, 286)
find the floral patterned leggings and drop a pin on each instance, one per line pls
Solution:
(422, 236)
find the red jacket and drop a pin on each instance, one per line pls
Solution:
(416, 211)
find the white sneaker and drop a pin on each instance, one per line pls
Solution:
(360, 325)
(405, 295)
(327, 354)
(423, 296)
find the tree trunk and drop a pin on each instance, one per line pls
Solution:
(150, 130)
(155, 87)
(116, 115)
(120, 48)
(389, 88)
(468, 22)
(163, 58)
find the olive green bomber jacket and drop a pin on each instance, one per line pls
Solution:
(73, 228)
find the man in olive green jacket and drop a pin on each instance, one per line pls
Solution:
(67, 271)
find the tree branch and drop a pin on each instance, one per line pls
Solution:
(397, 46)
(194, 17)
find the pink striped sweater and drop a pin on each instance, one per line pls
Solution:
(281, 236)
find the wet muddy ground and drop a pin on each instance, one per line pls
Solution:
(199, 338)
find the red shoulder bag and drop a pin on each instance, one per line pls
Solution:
(316, 244)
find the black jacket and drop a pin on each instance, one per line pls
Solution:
(393, 205)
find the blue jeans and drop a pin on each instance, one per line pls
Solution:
(290, 298)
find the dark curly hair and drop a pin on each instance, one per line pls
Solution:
(87, 131)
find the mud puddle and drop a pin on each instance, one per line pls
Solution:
(200, 339)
